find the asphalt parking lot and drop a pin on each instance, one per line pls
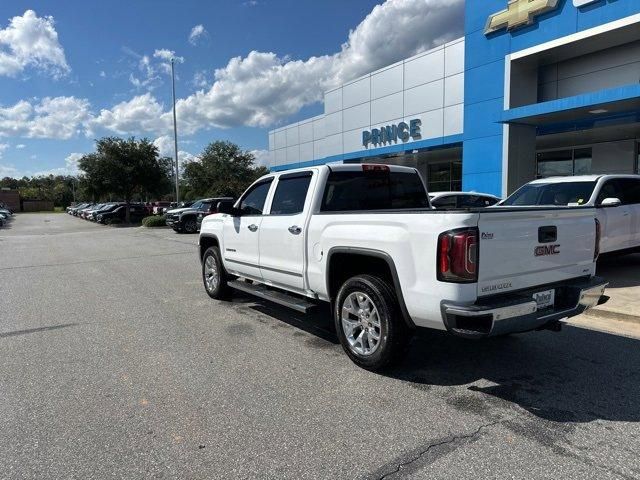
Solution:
(116, 364)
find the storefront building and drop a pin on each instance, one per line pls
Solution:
(535, 88)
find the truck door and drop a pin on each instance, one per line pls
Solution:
(616, 221)
(282, 237)
(241, 233)
(631, 200)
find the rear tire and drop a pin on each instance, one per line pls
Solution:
(214, 276)
(369, 323)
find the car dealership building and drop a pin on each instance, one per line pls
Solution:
(535, 88)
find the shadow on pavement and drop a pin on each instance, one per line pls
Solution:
(621, 271)
(577, 375)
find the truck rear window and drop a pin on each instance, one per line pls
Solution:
(356, 191)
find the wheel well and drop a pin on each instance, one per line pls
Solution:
(206, 242)
(343, 266)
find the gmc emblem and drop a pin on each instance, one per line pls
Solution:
(546, 250)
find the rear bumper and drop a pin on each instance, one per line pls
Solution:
(519, 313)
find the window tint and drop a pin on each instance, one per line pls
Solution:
(630, 191)
(204, 206)
(445, 202)
(253, 201)
(384, 190)
(290, 195)
(560, 194)
(475, 201)
(611, 189)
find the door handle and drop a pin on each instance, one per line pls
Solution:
(253, 227)
(294, 229)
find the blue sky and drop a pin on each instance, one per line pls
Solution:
(74, 71)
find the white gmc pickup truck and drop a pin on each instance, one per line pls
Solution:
(365, 239)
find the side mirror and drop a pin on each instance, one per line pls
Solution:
(610, 202)
(228, 208)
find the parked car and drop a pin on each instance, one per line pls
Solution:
(188, 219)
(108, 207)
(160, 207)
(137, 213)
(74, 209)
(616, 199)
(364, 239)
(80, 212)
(86, 213)
(459, 200)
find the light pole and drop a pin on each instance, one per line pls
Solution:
(175, 130)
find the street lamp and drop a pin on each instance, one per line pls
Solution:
(175, 130)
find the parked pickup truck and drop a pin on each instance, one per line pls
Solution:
(365, 239)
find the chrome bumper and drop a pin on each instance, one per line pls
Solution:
(520, 313)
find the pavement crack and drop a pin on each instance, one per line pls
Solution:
(418, 455)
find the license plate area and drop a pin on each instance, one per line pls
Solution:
(546, 299)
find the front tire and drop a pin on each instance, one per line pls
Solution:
(369, 323)
(214, 276)
(190, 225)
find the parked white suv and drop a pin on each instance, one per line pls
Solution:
(364, 238)
(616, 199)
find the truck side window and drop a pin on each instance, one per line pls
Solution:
(291, 194)
(611, 189)
(631, 189)
(445, 202)
(253, 201)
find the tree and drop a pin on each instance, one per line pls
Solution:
(223, 169)
(125, 169)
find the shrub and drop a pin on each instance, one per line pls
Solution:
(155, 221)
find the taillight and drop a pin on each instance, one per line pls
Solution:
(375, 168)
(458, 256)
(596, 250)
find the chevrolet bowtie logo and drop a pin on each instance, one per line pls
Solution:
(518, 13)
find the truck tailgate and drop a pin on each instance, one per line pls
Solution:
(524, 248)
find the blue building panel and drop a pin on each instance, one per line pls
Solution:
(483, 155)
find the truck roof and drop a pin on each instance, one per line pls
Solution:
(580, 178)
(343, 167)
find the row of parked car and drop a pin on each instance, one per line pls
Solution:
(5, 214)
(110, 212)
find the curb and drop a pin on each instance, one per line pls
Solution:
(608, 315)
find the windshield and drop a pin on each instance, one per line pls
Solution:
(558, 194)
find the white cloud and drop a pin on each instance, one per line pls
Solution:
(31, 41)
(166, 55)
(200, 79)
(103, 74)
(263, 88)
(3, 147)
(260, 89)
(20, 146)
(141, 114)
(52, 117)
(164, 143)
(197, 33)
(261, 157)
(9, 171)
